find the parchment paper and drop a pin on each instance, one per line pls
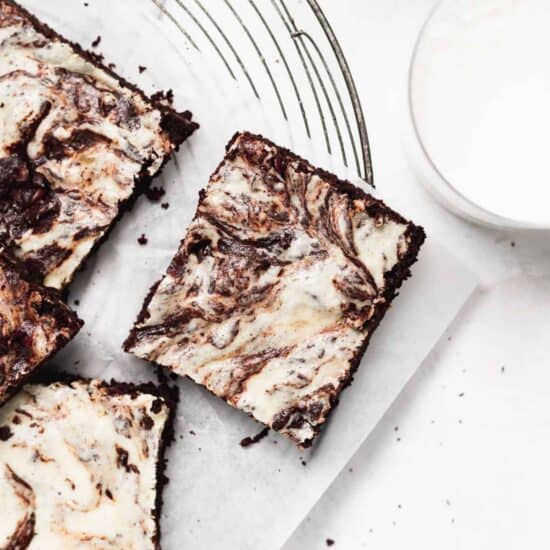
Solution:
(221, 495)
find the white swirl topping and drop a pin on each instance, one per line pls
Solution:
(78, 467)
(85, 134)
(281, 278)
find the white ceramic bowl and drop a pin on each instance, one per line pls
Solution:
(472, 61)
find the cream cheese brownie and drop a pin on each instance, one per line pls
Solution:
(34, 324)
(282, 277)
(81, 466)
(77, 143)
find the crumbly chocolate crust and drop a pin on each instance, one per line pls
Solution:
(170, 395)
(166, 396)
(34, 325)
(74, 115)
(276, 289)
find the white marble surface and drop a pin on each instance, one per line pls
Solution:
(461, 461)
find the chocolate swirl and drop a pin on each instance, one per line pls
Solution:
(25, 529)
(79, 454)
(283, 275)
(77, 143)
(34, 324)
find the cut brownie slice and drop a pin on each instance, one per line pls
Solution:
(81, 465)
(77, 143)
(34, 324)
(272, 297)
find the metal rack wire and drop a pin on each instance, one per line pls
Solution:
(320, 70)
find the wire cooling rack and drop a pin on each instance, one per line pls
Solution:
(284, 51)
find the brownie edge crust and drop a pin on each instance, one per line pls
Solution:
(34, 324)
(275, 291)
(82, 464)
(78, 143)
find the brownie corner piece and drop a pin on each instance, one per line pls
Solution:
(79, 144)
(277, 287)
(91, 449)
(35, 323)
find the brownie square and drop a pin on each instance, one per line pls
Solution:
(273, 295)
(34, 324)
(81, 465)
(77, 144)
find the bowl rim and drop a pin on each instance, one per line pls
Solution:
(475, 211)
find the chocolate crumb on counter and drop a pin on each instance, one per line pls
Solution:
(143, 240)
(154, 194)
(248, 441)
(96, 42)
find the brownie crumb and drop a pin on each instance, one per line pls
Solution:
(142, 69)
(143, 240)
(461, 394)
(304, 463)
(96, 42)
(5, 433)
(192, 432)
(109, 494)
(77, 302)
(154, 194)
(513, 244)
(165, 205)
(111, 66)
(164, 96)
(330, 542)
(247, 441)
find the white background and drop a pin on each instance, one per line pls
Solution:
(470, 472)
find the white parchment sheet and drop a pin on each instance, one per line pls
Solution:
(221, 495)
